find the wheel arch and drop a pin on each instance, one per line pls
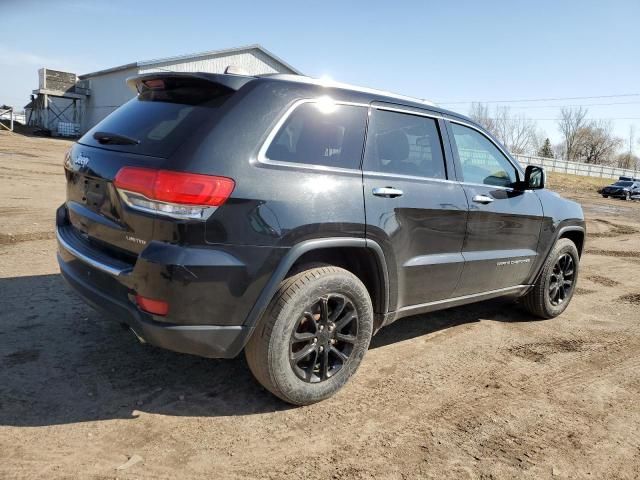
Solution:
(574, 233)
(362, 252)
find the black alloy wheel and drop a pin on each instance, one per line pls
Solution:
(313, 336)
(323, 338)
(562, 279)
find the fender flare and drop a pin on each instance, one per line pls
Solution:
(295, 253)
(571, 228)
(558, 234)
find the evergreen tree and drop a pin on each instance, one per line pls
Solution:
(546, 150)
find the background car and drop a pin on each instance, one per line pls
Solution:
(625, 187)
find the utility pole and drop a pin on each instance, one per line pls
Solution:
(632, 162)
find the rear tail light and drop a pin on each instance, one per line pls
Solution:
(174, 194)
(149, 305)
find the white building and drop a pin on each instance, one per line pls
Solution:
(105, 90)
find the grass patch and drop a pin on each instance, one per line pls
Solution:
(563, 182)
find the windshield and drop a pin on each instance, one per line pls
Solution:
(159, 119)
(623, 184)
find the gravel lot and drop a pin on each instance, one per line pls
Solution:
(474, 392)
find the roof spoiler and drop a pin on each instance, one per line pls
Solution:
(233, 82)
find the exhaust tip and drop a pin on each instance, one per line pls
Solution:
(139, 337)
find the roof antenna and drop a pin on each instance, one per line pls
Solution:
(233, 70)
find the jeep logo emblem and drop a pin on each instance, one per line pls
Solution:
(81, 161)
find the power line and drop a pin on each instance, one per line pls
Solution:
(517, 107)
(593, 118)
(541, 99)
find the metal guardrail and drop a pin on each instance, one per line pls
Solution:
(577, 168)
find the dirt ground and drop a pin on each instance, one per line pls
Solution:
(481, 391)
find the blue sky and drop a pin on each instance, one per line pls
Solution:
(443, 51)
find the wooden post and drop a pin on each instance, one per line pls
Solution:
(46, 112)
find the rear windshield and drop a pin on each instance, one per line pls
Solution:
(159, 119)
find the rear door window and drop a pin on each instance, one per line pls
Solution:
(404, 144)
(159, 119)
(330, 135)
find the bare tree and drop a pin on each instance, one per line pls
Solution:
(596, 143)
(480, 114)
(559, 149)
(632, 136)
(571, 124)
(627, 160)
(516, 132)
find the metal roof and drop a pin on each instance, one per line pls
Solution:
(192, 56)
(235, 82)
(377, 95)
(335, 84)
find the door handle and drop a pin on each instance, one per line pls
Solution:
(482, 199)
(388, 192)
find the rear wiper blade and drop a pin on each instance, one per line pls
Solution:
(106, 138)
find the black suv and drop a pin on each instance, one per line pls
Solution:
(625, 188)
(292, 219)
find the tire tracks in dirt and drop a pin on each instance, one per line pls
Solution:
(11, 238)
(617, 229)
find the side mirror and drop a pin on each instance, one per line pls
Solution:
(534, 177)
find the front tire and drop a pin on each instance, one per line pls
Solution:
(554, 289)
(313, 336)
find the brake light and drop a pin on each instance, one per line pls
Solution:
(149, 305)
(177, 194)
(155, 84)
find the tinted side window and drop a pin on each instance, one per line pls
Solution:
(404, 144)
(318, 134)
(482, 161)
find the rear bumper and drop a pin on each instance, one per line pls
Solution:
(210, 289)
(212, 341)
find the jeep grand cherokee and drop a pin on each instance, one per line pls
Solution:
(293, 219)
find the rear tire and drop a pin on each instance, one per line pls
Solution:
(325, 311)
(605, 196)
(553, 290)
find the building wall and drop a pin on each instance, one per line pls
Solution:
(60, 110)
(108, 92)
(254, 62)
